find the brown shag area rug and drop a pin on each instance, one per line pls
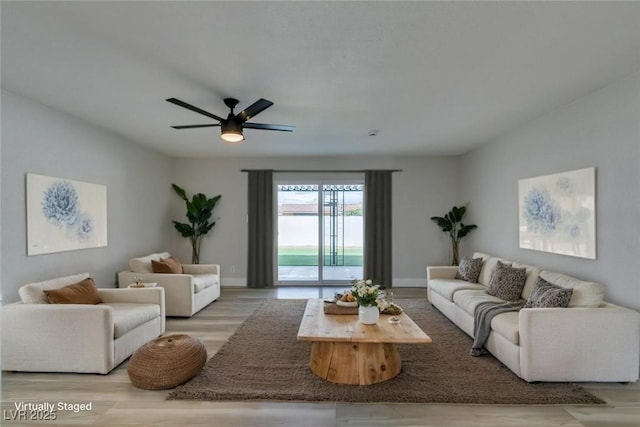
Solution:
(263, 360)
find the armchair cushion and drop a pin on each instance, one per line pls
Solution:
(83, 292)
(33, 293)
(203, 281)
(128, 316)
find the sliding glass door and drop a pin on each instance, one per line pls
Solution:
(320, 232)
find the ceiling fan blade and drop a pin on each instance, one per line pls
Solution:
(193, 108)
(265, 126)
(253, 109)
(195, 126)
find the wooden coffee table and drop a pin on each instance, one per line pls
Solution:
(346, 351)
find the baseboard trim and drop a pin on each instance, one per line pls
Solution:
(410, 282)
(234, 282)
(241, 282)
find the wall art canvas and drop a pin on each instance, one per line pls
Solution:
(558, 213)
(64, 215)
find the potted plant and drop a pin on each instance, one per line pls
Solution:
(451, 223)
(199, 211)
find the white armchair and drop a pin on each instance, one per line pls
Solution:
(42, 337)
(186, 293)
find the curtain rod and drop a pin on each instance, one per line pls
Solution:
(320, 170)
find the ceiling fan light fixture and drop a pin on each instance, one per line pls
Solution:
(232, 133)
(232, 137)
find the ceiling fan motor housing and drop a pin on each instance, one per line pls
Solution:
(232, 125)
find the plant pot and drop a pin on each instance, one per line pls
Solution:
(368, 314)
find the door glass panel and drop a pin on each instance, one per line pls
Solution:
(298, 236)
(342, 232)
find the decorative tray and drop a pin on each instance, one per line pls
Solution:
(143, 285)
(333, 308)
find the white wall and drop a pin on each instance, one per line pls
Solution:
(601, 130)
(37, 139)
(426, 186)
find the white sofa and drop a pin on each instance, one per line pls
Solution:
(186, 293)
(42, 337)
(591, 340)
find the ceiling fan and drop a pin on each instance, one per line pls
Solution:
(233, 125)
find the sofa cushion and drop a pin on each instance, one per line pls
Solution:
(468, 299)
(488, 267)
(447, 287)
(143, 264)
(507, 282)
(169, 265)
(532, 277)
(469, 269)
(83, 292)
(585, 294)
(33, 293)
(546, 295)
(128, 316)
(202, 281)
(507, 325)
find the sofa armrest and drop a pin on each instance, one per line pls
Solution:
(179, 289)
(138, 296)
(52, 337)
(201, 268)
(579, 344)
(441, 272)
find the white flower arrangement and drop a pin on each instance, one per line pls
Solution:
(365, 292)
(388, 307)
(383, 304)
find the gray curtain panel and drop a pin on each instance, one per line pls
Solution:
(260, 254)
(377, 227)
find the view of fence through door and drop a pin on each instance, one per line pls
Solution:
(314, 251)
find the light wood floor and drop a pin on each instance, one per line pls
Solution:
(115, 402)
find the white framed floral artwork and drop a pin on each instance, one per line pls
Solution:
(64, 215)
(557, 213)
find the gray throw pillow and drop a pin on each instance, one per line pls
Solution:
(545, 295)
(469, 269)
(507, 282)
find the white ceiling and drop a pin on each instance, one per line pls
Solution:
(432, 77)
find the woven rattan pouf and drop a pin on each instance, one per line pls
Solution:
(166, 362)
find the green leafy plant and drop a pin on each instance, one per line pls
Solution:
(452, 223)
(199, 212)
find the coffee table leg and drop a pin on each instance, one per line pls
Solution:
(354, 363)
